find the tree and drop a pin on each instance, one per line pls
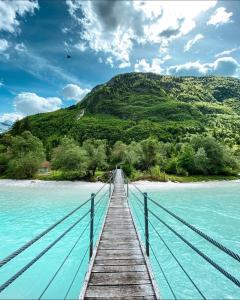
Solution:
(26, 153)
(119, 153)
(96, 154)
(185, 160)
(68, 156)
(24, 167)
(201, 161)
(150, 151)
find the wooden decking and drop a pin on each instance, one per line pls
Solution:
(119, 269)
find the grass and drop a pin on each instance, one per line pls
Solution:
(162, 177)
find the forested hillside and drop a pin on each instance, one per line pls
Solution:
(150, 124)
(135, 106)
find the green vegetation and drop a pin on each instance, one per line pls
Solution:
(20, 156)
(156, 127)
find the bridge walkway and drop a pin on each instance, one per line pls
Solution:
(119, 269)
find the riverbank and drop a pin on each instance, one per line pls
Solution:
(185, 179)
(101, 176)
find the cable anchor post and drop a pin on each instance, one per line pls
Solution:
(146, 223)
(91, 225)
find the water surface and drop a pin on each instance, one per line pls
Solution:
(27, 208)
(214, 208)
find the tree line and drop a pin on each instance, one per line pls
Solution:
(21, 157)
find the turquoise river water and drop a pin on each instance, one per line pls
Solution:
(27, 208)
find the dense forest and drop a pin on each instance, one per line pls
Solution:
(150, 124)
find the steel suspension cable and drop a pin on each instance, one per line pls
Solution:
(178, 262)
(175, 258)
(73, 247)
(34, 260)
(200, 253)
(35, 239)
(82, 260)
(198, 231)
(157, 260)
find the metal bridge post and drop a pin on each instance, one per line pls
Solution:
(91, 225)
(110, 188)
(146, 223)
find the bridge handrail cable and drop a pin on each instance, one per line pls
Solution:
(74, 245)
(168, 248)
(199, 252)
(43, 233)
(225, 249)
(156, 258)
(45, 250)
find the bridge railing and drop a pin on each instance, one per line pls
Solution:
(147, 216)
(93, 208)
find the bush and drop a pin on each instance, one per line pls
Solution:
(23, 167)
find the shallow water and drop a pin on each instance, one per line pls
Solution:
(213, 208)
(28, 208)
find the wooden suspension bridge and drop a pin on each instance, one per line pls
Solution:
(119, 267)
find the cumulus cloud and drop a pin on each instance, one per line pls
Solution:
(30, 103)
(154, 67)
(11, 10)
(124, 65)
(193, 41)
(4, 45)
(220, 17)
(10, 117)
(224, 66)
(20, 47)
(226, 52)
(114, 27)
(74, 92)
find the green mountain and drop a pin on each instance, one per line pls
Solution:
(134, 106)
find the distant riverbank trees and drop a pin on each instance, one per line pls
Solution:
(21, 157)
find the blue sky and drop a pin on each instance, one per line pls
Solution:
(105, 38)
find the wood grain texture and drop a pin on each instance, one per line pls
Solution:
(119, 269)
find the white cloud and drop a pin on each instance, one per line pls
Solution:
(226, 52)
(11, 10)
(221, 16)
(143, 66)
(124, 65)
(166, 57)
(20, 47)
(109, 61)
(114, 27)
(30, 103)
(4, 45)
(224, 66)
(193, 41)
(10, 117)
(74, 92)
(81, 46)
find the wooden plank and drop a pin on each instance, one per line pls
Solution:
(120, 278)
(123, 298)
(119, 252)
(121, 246)
(119, 255)
(118, 268)
(113, 292)
(119, 262)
